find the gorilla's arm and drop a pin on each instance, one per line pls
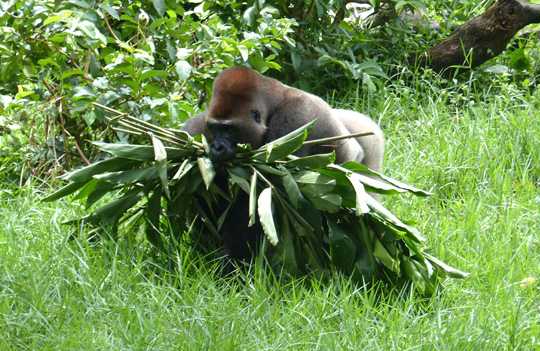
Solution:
(372, 147)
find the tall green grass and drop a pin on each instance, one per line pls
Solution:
(476, 147)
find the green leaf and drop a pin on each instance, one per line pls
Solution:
(360, 168)
(286, 250)
(239, 177)
(153, 73)
(446, 268)
(184, 168)
(342, 247)
(252, 199)
(266, 216)
(110, 10)
(293, 191)
(144, 56)
(100, 190)
(519, 60)
(412, 272)
(153, 214)
(63, 191)
(139, 152)
(329, 202)
(87, 189)
(390, 217)
(243, 52)
(207, 170)
(313, 161)
(374, 184)
(361, 204)
(183, 69)
(60, 16)
(385, 258)
(270, 170)
(223, 216)
(111, 213)
(128, 177)
(286, 145)
(160, 156)
(86, 173)
(91, 31)
(321, 183)
(160, 6)
(249, 15)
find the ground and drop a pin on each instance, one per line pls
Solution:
(477, 150)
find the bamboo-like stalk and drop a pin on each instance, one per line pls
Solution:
(142, 125)
(336, 138)
(127, 131)
(164, 137)
(137, 132)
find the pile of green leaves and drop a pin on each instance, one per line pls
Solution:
(317, 216)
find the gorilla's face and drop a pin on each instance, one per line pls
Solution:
(237, 114)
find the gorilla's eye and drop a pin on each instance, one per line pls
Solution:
(256, 115)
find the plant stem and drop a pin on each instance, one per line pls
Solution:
(143, 126)
(335, 138)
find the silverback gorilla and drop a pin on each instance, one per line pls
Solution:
(249, 108)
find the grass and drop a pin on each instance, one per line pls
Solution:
(478, 149)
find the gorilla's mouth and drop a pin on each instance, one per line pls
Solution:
(222, 150)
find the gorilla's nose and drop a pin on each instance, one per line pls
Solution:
(221, 150)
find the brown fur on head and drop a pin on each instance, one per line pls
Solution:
(240, 103)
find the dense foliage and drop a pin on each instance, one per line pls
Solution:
(317, 216)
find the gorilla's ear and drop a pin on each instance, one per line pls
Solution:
(195, 125)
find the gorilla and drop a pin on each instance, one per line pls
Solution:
(249, 108)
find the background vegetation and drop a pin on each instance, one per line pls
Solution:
(474, 140)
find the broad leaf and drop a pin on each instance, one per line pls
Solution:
(361, 204)
(329, 202)
(111, 213)
(286, 145)
(390, 217)
(139, 152)
(360, 168)
(313, 161)
(160, 156)
(160, 6)
(128, 177)
(239, 177)
(451, 271)
(384, 257)
(286, 248)
(207, 170)
(266, 216)
(184, 168)
(100, 190)
(292, 190)
(412, 272)
(342, 247)
(86, 173)
(252, 199)
(322, 183)
(183, 69)
(153, 214)
(63, 191)
(270, 170)
(374, 184)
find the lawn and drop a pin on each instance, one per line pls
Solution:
(477, 149)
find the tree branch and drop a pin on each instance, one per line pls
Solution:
(483, 37)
